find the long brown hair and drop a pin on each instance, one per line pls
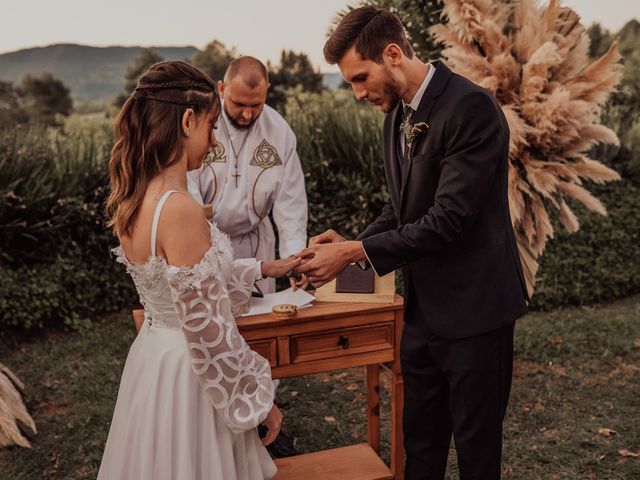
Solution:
(149, 134)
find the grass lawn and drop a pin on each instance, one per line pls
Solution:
(574, 410)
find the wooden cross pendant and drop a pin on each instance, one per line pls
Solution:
(236, 175)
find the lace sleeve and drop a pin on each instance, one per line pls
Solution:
(236, 379)
(239, 286)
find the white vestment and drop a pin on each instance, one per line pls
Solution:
(270, 179)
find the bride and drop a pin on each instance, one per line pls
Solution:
(192, 392)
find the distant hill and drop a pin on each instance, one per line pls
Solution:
(97, 73)
(92, 73)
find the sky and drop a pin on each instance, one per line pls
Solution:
(261, 28)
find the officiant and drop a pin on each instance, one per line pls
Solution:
(254, 170)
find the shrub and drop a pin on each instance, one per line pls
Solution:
(601, 261)
(54, 248)
(52, 186)
(339, 143)
(64, 294)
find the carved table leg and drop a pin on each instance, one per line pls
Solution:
(373, 407)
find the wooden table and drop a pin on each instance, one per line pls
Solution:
(330, 336)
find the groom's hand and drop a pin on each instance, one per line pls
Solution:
(323, 262)
(330, 236)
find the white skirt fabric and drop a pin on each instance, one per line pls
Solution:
(164, 426)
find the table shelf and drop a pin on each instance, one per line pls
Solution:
(355, 462)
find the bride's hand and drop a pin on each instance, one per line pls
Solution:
(273, 422)
(279, 268)
(299, 281)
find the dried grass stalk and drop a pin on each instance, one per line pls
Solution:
(13, 412)
(534, 59)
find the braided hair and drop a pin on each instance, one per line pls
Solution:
(149, 134)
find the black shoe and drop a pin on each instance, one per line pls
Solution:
(282, 447)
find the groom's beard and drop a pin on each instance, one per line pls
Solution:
(391, 97)
(391, 94)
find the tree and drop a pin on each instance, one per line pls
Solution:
(600, 38)
(214, 59)
(622, 111)
(295, 69)
(43, 97)
(10, 111)
(140, 64)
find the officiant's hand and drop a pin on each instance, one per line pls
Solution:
(273, 422)
(330, 236)
(323, 262)
(279, 268)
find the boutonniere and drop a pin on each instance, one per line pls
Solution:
(411, 130)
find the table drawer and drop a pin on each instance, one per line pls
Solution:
(341, 342)
(265, 348)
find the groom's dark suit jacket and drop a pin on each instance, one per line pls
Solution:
(447, 223)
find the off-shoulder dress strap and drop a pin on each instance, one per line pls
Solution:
(156, 218)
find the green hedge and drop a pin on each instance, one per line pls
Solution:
(339, 143)
(63, 294)
(52, 186)
(601, 261)
(54, 248)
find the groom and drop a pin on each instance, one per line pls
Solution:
(447, 225)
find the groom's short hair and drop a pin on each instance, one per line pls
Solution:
(370, 29)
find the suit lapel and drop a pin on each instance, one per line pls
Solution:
(435, 87)
(421, 115)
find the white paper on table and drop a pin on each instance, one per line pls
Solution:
(300, 298)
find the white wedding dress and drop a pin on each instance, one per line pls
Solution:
(192, 392)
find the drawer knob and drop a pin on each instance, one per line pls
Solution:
(343, 342)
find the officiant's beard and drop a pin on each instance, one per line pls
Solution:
(239, 126)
